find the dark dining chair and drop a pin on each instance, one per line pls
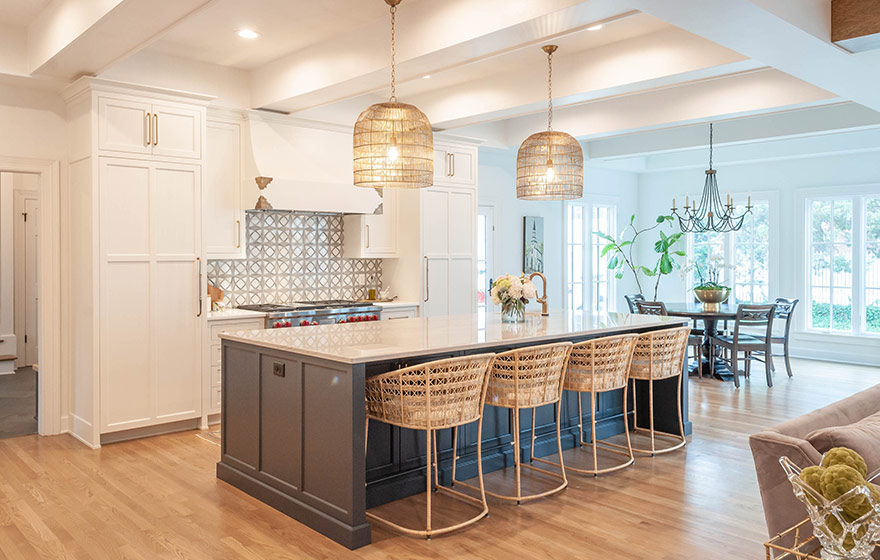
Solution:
(695, 341)
(631, 301)
(748, 316)
(784, 310)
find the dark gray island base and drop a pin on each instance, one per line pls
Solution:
(293, 420)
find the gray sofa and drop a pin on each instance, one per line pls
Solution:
(781, 509)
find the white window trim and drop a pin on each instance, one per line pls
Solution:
(588, 201)
(853, 192)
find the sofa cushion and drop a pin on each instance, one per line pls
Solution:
(863, 437)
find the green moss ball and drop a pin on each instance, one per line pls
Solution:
(845, 456)
(837, 480)
(812, 477)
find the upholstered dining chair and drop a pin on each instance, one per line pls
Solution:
(695, 339)
(527, 378)
(433, 396)
(752, 317)
(784, 311)
(631, 300)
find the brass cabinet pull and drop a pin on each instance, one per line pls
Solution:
(238, 233)
(427, 279)
(199, 286)
(148, 131)
(452, 159)
(155, 129)
(448, 164)
(367, 235)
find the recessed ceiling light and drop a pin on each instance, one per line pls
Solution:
(426, 76)
(595, 27)
(248, 34)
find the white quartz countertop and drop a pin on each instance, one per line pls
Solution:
(234, 313)
(354, 343)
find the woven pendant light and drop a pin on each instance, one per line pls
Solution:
(550, 164)
(393, 141)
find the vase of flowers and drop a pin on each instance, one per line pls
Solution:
(843, 507)
(709, 289)
(513, 293)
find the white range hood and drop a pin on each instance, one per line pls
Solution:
(310, 164)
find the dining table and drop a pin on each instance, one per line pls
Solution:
(710, 318)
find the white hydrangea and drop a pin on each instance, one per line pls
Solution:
(529, 291)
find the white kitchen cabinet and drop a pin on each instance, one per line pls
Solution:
(455, 165)
(151, 304)
(136, 125)
(213, 366)
(136, 273)
(399, 312)
(224, 210)
(373, 235)
(448, 250)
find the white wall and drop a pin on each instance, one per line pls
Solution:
(781, 180)
(497, 187)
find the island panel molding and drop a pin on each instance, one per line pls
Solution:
(292, 256)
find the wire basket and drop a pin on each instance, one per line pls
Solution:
(841, 534)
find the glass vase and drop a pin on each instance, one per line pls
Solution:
(842, 537)
(513, 312)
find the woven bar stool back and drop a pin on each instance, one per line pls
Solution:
(598, 366)
(528, 378)
(433, 396)
(659, 355)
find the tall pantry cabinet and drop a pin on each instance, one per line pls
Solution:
(137, 258)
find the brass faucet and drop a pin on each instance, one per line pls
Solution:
(543, 299)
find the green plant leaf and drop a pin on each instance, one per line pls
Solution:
(632, 219)
(606, 249)
(661, 219)
(613, 262)
(624, 244)
(604, 236)
(665, 264)
(618, 274)
(681, 253)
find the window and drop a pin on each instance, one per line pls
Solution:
(747, 251)
(843, 264)
(588, 280)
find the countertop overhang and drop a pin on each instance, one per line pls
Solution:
(355, 343)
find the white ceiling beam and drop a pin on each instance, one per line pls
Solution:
(769, 37)
(71, 38)
(432, 35)
(738, 95)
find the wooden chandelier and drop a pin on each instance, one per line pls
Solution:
(550, 164)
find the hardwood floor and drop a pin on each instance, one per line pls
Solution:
(18, 394)
(158, 497)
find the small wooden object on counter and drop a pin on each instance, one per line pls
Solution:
(216, 294)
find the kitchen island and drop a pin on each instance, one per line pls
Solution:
(293, 410)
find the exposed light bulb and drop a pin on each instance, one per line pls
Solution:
(248, 34)
(393, 153)
(551, 173)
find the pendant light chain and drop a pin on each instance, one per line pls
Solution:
(393, 53)
(550, 91)
(710, 145)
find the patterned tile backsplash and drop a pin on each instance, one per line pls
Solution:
(292, 257)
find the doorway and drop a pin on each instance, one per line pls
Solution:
(19, 303)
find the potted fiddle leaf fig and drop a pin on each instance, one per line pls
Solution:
(623, 259)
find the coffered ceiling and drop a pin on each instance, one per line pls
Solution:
(653, 66)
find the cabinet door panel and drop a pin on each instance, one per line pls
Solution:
(461, 223)
(126, 346)
(125, 207)
(123, 126)
(223, 205)
(462, 293)
(176, 335)
(435, 227)
(437, 287)
(177, 131)
(380, 230)
(441, 165)
(176, 207)
(463, 170)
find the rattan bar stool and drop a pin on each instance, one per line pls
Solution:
(528, 378)
(659, 355)
(433, 396)
(598, 366)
